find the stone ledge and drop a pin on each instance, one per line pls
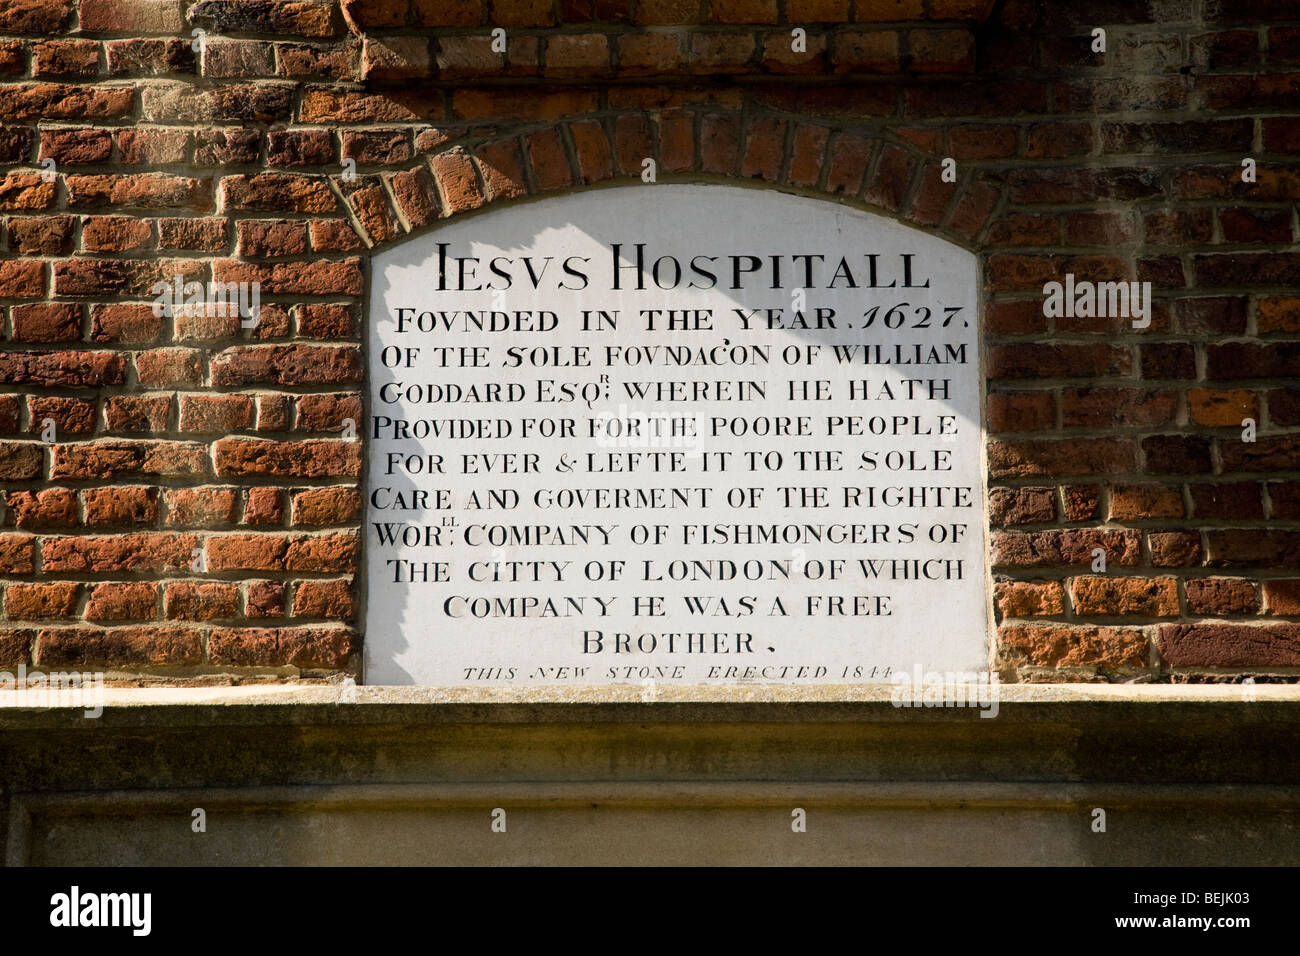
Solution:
(1079, 704)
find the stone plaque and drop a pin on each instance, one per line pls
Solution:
(688, 434)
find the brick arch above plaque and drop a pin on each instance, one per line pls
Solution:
(680, 434)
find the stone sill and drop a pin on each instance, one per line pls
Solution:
(268, 704)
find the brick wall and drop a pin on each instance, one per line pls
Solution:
(196, 515)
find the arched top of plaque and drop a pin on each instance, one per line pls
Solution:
(684, 438)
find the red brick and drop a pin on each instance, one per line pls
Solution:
(1029, 598)
(325, 321)
(321, 507)
(269, 238)
(144, 551)
(40, 237)
(337, 235)
(940, 51)
(129, 459)
(272, 19)
(1174, 549)
(41, 602)
(1080, 456)
(1044, 549)
(1058, 361)
(131, 16)
(1080, 501)
(21, 461)
(326, 413)
(137, 413)
(200, 601)
(264, 599)
(676, 141)
(71, 416)
(849, 158)
(286, 365)
(147, 646)
(215, 414)
(1122, 407)
(115, 234)
(332, 600)
(305, 459)
(719, 143)
(1221, 596)
(55, 101)
(71, 147)
(309, 647)
(1145, 501)
(264, 506)
(807, 154)
(592, 149)
(1177, 454)
(1021, 411)
(456, 175)
(649, 54)
(577, 54)
(891, 179)
(124, 506)
(27, 191)
(122, 601)
(151, 56)
(200, 507)
(865, 52)
(46, 322)
(277, 192)
(47, 508)
(169, 367)
(1222, 408)
(1107, 648)
(1012, 506)
(549, 162)
(1230, 645)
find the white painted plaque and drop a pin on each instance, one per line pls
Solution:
(688, 434)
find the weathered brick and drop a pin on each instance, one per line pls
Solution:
(142, 551)
(126, 459)
(304, 459)
(122, 601)
(287, 365)
(200, 507)
(46, 322)
(264, 599)
(122, 506)
(1042, 549)
(137, 413)
(1012, 506)
(115, 234)
(322, 507)
(200, 600)
(1115, 596)
(1145, 501)
(41, 602)
(1230, 645)
(332, 600)
(131, 16)
(264, 506)
(47, 508)
(1221, 596)
(215, 414)
(275, 647)
(1088, 456)
(139, 645)
(1105, 648)
(70, 416)
(1029, 598)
